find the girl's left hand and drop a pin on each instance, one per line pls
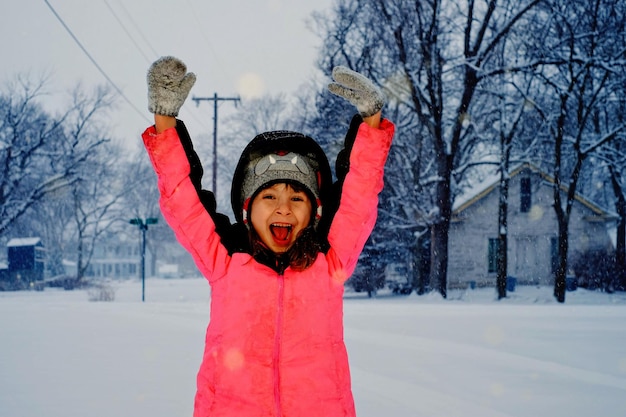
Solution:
(358, 90)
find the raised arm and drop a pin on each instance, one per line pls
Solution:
(178, 172)
(366, 156)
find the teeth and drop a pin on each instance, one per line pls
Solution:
(288, 226)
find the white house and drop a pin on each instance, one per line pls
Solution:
(532, 231)
(115, 258)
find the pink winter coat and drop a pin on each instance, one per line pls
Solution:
(274, 344)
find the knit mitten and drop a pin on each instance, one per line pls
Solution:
(358, 90)
(169, 84)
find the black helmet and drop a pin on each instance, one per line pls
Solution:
(280, 156)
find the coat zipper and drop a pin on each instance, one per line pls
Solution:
(277, 339)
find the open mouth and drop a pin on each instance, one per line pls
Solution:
(280, 232)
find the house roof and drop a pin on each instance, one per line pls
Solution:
(23, 241)
(491, 183)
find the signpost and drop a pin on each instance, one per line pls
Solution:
(143, 226)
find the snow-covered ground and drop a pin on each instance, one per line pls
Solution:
(62, 355)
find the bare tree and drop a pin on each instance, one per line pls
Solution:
(141, 200)
(580, 62)
(30, 163)
(443, 51)
(53, 222)
(96, 188)
(509, 117)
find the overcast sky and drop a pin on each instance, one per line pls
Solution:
(235, 47)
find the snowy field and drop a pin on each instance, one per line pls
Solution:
(62, 355)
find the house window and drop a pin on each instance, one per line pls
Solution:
(525, 195)
(492, 255)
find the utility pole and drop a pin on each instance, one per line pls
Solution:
(215, 99)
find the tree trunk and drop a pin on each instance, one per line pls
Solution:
(439, 256)
(561, 270)
(439, 233)
(422, 263)
(620, 245)
(502, 258)
(79, 261)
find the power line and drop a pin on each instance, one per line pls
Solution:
(130, 17)
(199, 26)
(93, 61)
(218, 67)
(156, 54)
(126, 31)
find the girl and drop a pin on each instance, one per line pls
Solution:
(274, 344)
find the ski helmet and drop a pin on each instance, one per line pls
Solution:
(275, 157)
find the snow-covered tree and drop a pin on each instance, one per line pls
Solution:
(60, 173)
(580, 50)
(31, 163)
(433, 58)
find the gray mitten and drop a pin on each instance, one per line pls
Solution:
(358, 90)
(169, 84)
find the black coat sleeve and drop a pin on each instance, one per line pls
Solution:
(233, 236)
(342, 166)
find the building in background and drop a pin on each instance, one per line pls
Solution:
(532, 231)
(25, 264)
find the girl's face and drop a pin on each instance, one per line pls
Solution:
(279, 213)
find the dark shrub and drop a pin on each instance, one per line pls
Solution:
(595, 269)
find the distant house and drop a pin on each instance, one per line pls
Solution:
(532, 231)
(26, 263)
(115, 258)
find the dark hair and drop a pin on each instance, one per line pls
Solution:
(299, 257)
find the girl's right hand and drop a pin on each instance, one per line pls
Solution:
(169, 84)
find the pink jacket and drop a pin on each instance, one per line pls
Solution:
(274, 344)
